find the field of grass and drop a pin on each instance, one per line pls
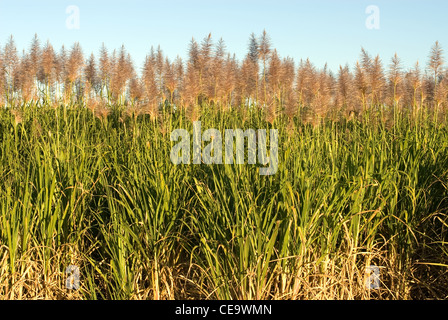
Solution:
(94, 187)
(87, 181)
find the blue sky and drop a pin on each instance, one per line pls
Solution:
(329, 31)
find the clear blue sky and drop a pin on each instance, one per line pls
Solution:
(324, 30)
